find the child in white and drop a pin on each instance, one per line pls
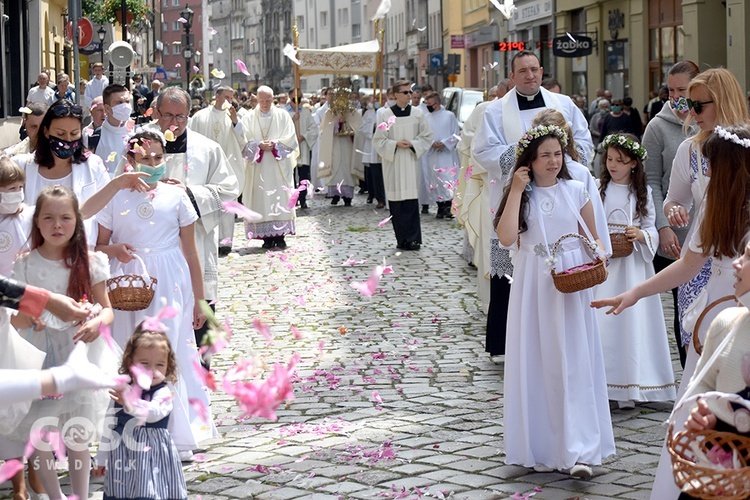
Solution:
(636, 350)
(556, 408)
(157, 227)
(60, 262)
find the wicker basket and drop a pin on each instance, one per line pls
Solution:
(621, 247)
(594, 274)
(131, 292)
(702, 481)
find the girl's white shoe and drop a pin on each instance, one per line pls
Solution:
(542, 468)
(581, 471)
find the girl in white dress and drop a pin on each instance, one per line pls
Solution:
(157, 226)
(60, 262)
(636, 349)
(556, 408)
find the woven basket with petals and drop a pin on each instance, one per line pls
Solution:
(700, 480)
(591, 274)
(621, 247)
(131, 292)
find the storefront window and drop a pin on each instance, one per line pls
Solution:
(616, 68)
(666, 40)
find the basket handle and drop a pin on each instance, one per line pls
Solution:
(144, 272)
(591, 247)
(696, 341)
(627, 217)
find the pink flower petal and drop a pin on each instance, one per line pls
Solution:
(9, 469)
(234, 207)
(368, 288)
(241, 66)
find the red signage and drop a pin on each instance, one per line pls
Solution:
(510, 46)
(457, 42)
(85, 32)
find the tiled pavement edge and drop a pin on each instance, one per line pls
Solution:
(417, 344)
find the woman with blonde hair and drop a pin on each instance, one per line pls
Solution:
(715, 98)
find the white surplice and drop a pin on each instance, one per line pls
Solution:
(401, 167)
(338, 151)
(113, 139)
(308, 130)
(442, 165)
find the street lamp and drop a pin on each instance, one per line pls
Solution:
(187, 42)
(102, 34)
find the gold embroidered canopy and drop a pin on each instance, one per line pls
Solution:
(352, 59)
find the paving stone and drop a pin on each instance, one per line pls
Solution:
(419, 344)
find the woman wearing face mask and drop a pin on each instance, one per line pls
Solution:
(617, 121)
(715, 98)
(60, 159)
(722, 223)
(663, 135)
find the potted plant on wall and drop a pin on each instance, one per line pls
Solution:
(110, 11)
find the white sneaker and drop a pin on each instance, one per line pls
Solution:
(186, 456)
(581, 471)
(542, 468)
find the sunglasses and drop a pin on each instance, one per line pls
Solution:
(63, 109)
(406, 92)
(697, 106)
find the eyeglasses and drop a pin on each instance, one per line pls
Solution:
(405, 92)
(67, 109)
(697, 106)
(178, 118)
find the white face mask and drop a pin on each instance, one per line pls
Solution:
(370, 105)
(10, 202)
(122, 111)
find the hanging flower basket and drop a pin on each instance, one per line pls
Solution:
(110, 11)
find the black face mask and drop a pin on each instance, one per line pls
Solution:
(64, 149)
(430, 108)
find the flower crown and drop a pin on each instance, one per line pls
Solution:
(728, 136)
(623, 142)
(537, 132)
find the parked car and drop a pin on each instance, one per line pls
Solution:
(461, 102)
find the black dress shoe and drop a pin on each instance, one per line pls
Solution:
(412, 246)
(369, 200)
(425, 209)
(303, 205)
(347, 202)
(380, 205)
(335, 200)
(224, 251)
(280, 243)
(268, 243)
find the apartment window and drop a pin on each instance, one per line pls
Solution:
(301, 22)
(356, 31)
(324, 19)
(165, 3)
(343, 17)
(175, 3)
(325, 82)
(165, 26)
(666, 43)
(176, 49)
(312, 36)
(176, 26)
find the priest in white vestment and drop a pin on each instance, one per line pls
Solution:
(370, 157)
(440, 162)
(216, 122)
(318, 117)
(402, 136)
(472, 205)
(338, 154)
(307, 136)
(505, 121)
(198, 165)
(271, 154)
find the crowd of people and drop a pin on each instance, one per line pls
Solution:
(137, 182)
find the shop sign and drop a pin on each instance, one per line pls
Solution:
(530, 11)
(482, 36)
(510, 46)
(564, 46)
(457, 42)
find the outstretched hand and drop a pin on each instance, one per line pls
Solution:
(617, 304)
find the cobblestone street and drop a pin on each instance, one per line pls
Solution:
(395, 396)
